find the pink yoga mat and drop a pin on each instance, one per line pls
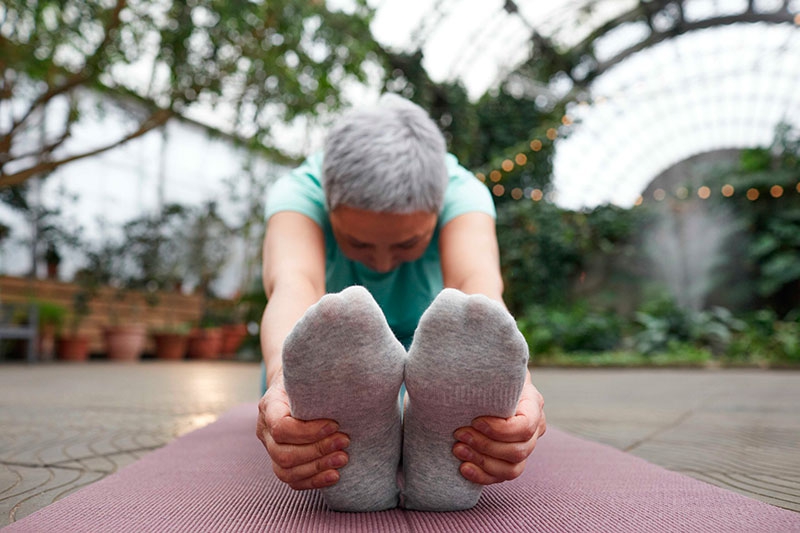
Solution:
(219, 479)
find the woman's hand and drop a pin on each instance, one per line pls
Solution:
(492, 449)
(305, 454)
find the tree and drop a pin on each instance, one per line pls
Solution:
(766, 184)
(256, 62)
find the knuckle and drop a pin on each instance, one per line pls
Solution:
(518, 454)
(282, 473)
(283, 458)
(516, 470)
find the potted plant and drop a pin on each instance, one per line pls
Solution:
(205, 340)
(124, 340)
(171, 341)
(52, 258)
(72, 345)
(51, 320)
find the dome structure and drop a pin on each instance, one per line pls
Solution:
(645, 83)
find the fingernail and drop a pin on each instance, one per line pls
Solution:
(328, 429)
(331, 477)
(464, 436)
(467, 470)
(481, 426)
(337, 461)
(340, 443)
(463, 452)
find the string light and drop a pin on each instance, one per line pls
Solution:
(536, 145)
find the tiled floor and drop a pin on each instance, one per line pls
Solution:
(65, 426)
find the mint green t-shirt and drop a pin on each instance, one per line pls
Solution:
(404, 293)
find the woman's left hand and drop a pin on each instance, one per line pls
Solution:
(492, 449)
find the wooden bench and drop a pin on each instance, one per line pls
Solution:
(28, 330)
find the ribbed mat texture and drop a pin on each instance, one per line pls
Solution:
(219, 479)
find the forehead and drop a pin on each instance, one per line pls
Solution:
(371, 226)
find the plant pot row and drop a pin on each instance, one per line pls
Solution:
(127, 343)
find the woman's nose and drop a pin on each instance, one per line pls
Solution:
(384, 262)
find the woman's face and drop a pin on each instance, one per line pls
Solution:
(382, 241)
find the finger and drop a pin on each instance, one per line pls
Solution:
(302, 475)
(292, 455)
(319, 481)
(275, 418)
(518, 428)
(290, 430)
(496, 469)
(512, 452)
(473, 473)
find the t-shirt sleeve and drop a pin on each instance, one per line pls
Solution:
(464, 194)
(300, 191)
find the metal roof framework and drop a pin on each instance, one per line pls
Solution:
(656, 81)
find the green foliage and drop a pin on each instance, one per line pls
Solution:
(267, 62)
(773, 251)
(767, 339)
(539, 253)
(544, 249)
(662, 323)
(154, 247)
(51, 314)
(575, 329)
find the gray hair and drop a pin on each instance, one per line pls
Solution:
(389, 159)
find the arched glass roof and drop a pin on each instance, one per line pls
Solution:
(657, 99)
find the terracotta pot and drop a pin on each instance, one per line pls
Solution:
(125, 343)
(170, 345)
(232, 337)
(205, 343)
(47, 342)
(52, 270)
(72, 348)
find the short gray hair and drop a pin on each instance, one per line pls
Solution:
(389, 159)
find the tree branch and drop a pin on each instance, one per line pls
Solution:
(154, 121)
(77, 78)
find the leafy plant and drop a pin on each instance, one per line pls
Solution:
(572, 329)
(264, 62)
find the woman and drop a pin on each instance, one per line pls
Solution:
(386, 208)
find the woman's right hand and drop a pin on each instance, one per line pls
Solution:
(305, 454)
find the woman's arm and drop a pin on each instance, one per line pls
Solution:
(305, 454)
(492, 449)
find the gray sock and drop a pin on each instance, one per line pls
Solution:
(341, 361)
(468, 359)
